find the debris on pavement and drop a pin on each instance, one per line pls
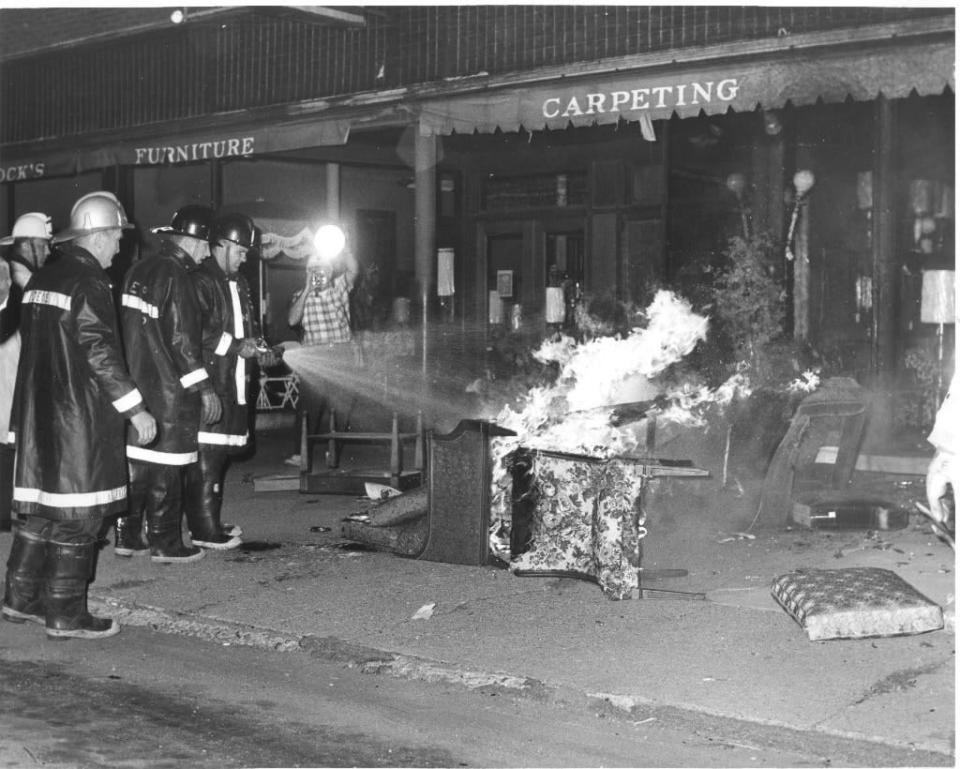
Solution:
(425, 611)
(377, 491)
(736, 537)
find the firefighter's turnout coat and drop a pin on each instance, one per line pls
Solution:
(227, 319)
(161, 336)
(72, 395)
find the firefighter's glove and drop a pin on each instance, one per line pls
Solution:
(248, 348)
(146, 427)
(212, 409)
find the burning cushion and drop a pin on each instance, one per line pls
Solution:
(856, 602)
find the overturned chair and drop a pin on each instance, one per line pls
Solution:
(446, 519)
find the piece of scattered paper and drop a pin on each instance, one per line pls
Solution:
(424, 612)
(737, 537)
(380, 491)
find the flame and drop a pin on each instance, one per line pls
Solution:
(573, 414)
(807, 382)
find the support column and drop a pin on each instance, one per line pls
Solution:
(333, 191)
(216, 183)
(885, 298)
(885, 277)
(118, 179)
(425, 228)
(766, 204)
(801, 275)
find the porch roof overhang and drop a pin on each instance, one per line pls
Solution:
(893, 61)
(223, 137)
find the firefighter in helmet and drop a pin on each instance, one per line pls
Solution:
(162, 338)
(230, 347)
(29, 249)
(72, 396)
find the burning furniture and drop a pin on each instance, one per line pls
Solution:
(577, 513)
(573, 515)
(582, 516)
(459, 480)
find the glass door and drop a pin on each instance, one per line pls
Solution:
(504, 277)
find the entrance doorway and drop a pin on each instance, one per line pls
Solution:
(376, 249)
(504, 275)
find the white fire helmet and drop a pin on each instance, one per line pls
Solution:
(94, 212)
(32, 225)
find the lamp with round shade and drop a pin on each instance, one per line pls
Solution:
(803, 182)
(938, 305)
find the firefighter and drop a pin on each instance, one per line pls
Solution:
(230, 333)
(72, 396)
(162, 338)
(30, 247)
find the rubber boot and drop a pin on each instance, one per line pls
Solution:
(203, 499)
(69, 569)
(160, 488)
(128, 540)
(166, 542)
(23, 592)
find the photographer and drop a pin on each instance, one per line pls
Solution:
(321, 309)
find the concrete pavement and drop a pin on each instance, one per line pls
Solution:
(734, 661)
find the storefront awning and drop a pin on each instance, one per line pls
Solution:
(174, 149)
(658, 93)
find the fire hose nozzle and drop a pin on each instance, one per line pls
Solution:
(261, 345)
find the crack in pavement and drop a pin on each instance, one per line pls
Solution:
(899, 680)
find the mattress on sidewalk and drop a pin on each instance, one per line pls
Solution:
(858, 602)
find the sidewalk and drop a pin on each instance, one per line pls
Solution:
(296, 585)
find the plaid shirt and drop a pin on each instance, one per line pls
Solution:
(326, 315)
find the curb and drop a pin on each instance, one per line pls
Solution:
(830, 744)
(179, 623)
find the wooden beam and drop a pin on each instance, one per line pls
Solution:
(330, 14)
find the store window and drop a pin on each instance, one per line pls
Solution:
(509, 193)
